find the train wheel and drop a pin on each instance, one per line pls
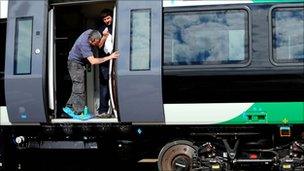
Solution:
(176, 156)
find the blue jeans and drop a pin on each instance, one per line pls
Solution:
(104, 89)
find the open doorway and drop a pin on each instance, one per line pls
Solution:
(70, 20)
(2, 59)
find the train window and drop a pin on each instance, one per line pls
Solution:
(206, 37)
(23, 45)
(140, 39)
(288, 35)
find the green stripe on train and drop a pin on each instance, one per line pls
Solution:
(268, 1)
(271, 113)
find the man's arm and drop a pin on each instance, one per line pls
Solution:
(96, 61)
(105, 35)
(102, 41)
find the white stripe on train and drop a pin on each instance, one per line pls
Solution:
(203, 113)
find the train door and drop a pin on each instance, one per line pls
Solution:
(67, 21)
(139, 29)
(25, 61)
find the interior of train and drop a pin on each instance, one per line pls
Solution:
(2, 59)
(70, 20)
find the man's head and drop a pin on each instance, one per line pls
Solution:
(94, 37)
(106, 16)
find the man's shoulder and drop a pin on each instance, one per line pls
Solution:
(83, 39)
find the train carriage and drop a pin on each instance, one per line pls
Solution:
(213, 85)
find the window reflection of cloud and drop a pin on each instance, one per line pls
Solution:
(289, 35)
(24, 46)
(198, 38)
(140, 40)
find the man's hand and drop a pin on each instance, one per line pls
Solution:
(96, 61)
(105, 32)
(114, 55)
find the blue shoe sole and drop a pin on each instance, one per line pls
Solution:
(72, 114)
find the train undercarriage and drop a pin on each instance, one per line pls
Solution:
(188, 148)
(239, 150)
(207, 156)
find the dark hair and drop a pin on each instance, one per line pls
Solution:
(94, 34)
(106, 12)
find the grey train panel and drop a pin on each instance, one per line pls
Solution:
(260, 39)
(135, 103)
(24, 91)
(139, 92)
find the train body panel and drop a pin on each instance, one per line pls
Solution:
(212, 85)
(164, 79)
(139, 80)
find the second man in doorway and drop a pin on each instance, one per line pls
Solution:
(106, 30)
